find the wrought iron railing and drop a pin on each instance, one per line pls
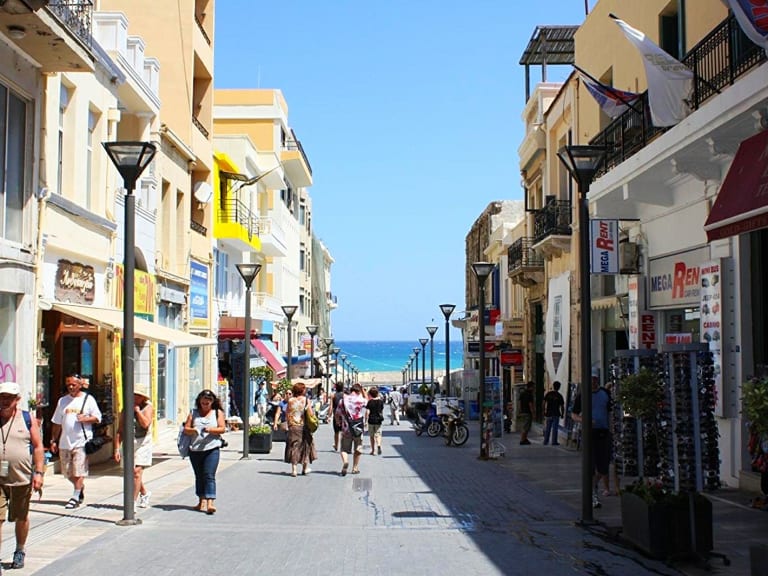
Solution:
(552, 220)
(294, 144)
(234, 211)
(521, 255)
(200, 126)
(197, 227)
(77, 15)
(200, 26)
(717, 61)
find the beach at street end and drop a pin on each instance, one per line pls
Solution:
(392, 378)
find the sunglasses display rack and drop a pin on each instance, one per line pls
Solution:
(691, 459)
(634, 440)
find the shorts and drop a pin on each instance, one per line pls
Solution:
(14, 502)
(347, 442)
(526, 421)
(601, 453)
(374, 431)
(74, 463)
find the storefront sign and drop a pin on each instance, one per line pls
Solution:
(512, 357)
(173, 295)
(75, 283)
(712, 322)
(198, 288)
(143, 292)
(678, 338)
(674, 281)
(647, 330)
(641, 323)
(604, 246)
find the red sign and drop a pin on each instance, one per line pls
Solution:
(511, 357)
(647, 330)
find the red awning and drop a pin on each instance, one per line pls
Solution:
(268, 351)
(742, 203)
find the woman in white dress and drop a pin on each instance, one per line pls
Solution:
(143, 415)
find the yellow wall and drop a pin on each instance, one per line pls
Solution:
(260, 131)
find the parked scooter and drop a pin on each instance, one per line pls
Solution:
(456, 431)
(429, 421)
(324, 413)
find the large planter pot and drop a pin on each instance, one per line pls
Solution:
(260, 443)
(279, 435)
(663, 530)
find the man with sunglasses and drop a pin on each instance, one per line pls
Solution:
(73, 419)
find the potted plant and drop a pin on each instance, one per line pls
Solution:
(260, 439)
(755, 410)
(654, 519)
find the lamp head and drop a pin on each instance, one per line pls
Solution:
(431, 330)
(343, 357)
(582, 162)
(311, 329)
(289, 311)
(482, 270)
(423, 341)
(328, 342)
(335, 351)
(447, 310)
(416, 351)
(248, 272)
(130, 159)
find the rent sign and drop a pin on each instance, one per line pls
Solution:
(604, 246)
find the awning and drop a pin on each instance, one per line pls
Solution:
(297, 359)
(112, 319)
(604, 302)
(742, 203)
(268, 351)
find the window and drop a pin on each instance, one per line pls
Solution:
(7, 337)
(302, 258)
(92, 119)
(302, 214)
(221, 278)
(13, 146)
(669, 34)
(63, 103)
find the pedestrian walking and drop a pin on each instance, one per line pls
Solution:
(338, 396)
(395, 405)
(526, 412)
(299, 445)
(206, 425)
(260, 403)
(72, 427)
(350, 418)
(602, 407)
(554, 409)
(20, 475)
(374, 416)
(143, 416)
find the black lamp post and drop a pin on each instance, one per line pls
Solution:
(335, 351)
(312, 331)
(431, 330)
(289, 311)
(248, 273)
(423, 342)
(130, 159)
(416, 362)
(410, 366)
(447, 310)
(328, 345)
(582, 162)
(343, 366)
(482, 271)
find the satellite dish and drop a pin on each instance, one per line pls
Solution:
(203, 192)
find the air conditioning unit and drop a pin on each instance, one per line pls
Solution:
(629, 257)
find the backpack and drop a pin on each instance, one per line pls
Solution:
(356, 426)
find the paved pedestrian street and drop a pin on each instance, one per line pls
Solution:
(419, 508)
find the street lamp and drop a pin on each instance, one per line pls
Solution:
(328, 345)
(447, 310)
(482, 270)
(582, 163)
(248, 272)
(289, 311)
(431, 330)
(416, 362)
(410, 366)
(423, 342)
(335, 351)
(343, 365)
(130, 159)
(312, 331)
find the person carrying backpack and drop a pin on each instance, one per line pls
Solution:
(350, 419)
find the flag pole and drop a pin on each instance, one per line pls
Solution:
(611, 88)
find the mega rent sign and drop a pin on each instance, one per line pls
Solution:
(604, 246)
(675, 280)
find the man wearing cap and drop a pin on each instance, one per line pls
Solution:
(20, 475)
(72, 420)
(143, 415)
(261, 398)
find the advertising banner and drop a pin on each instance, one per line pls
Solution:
(604, 246)
(674, 280)
(198, 288)
(712, 323)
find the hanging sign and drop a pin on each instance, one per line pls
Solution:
(604, 246)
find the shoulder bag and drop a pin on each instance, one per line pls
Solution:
(310, 419)
(94, 444)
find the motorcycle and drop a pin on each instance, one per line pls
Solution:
(428, 421)
(456, 431)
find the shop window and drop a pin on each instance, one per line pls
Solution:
(13, 145)
(7, 337)
(195, 373)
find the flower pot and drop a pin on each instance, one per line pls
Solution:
(260, 443)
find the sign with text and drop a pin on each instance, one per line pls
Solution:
(75, 283)
(198, 294)
(675, 280)
(712, 323)
(604, 246)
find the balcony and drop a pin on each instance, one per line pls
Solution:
(552, 228)
(524, 266)
(58, 36)
(272, 237)
(234, 224)
(295, 162)
(717, 62)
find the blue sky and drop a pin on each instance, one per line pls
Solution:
(409, 113)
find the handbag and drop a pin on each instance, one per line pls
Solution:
(182, 442)
(94, 444)
(310, 419)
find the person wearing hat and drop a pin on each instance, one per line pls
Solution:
(20, 475)
(143, 415)
(72, 427)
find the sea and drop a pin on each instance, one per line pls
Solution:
(393, 356)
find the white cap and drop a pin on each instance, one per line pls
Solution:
(10, 388)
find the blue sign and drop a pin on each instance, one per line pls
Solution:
(198, 294)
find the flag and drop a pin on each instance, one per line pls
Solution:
(612, 101)
(669, 80)
(752, 16)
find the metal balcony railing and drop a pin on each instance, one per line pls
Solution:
(717, 61)
(295, 144)
(200, 26)
(234, 211)
(197, 227)
(200, 126)
(77, 15)
(552, 220)
(521, 255)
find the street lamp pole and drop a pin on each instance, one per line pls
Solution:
(582, 162)
(416, 362)
(447, 310)
(289, 311)
(343, 366)
(130, 159)
(248, 272)
(482, 271)
(312, 331)
(335, 351)
(328, 345)
(431, 330)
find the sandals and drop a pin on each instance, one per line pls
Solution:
(344, 469)
(71, 503)
(211, 509)
(355, 471)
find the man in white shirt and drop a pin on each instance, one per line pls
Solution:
(395, 401)
(72, 420)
